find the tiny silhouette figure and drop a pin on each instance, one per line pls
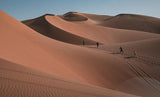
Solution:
(97, 44)
(135, 53)
(83, 42)
(121, 50)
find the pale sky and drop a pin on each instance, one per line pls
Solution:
(27, 9)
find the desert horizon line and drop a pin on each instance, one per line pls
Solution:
(54, 13)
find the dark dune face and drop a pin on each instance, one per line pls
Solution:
(134, 22)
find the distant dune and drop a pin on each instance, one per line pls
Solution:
(133, 22)
(45, 57)
(97, 17)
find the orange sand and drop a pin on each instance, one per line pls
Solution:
(47, 58)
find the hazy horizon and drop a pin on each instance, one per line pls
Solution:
(22, 9)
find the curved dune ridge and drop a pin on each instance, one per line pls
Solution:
(44, 27)
(81, 68)
(133, 22)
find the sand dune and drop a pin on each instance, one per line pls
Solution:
(66, 60)
(84, 67)
(44, 27)
(88, 30)
(134, 22)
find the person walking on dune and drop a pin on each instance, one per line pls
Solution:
(121, 50)
(135, 53)
(97, 44)
(83, 42)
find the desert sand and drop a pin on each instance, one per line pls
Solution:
(44, 57)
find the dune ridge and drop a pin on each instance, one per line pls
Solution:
(44, 27)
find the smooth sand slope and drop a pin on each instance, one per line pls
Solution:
(20, 81)
(133, 22)
(22, 45)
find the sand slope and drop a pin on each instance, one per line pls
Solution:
(25, 46)
(20, 81)
(85, 64)
(145, 65)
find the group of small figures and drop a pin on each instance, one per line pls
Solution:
(134, 52)
(121, 49)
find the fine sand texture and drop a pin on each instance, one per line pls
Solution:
(20, 81)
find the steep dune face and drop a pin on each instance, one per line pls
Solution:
(133, 22)
(44, 27)
(20, 81)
